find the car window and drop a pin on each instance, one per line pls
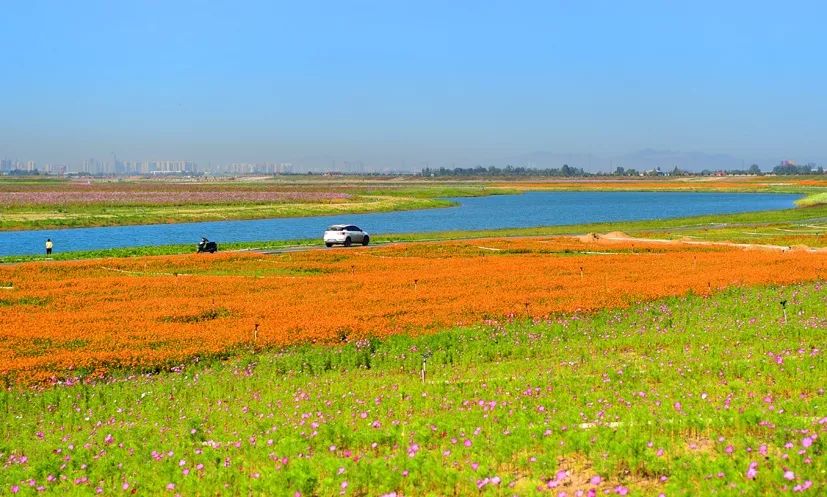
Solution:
(354, 228)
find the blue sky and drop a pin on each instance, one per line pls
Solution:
(393, 83)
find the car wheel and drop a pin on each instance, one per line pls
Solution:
(365, 240)
(347, 242)
(328, 245)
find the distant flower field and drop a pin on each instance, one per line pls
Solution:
(87, 318)
(137, 197)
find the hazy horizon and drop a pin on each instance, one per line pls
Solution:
(404, 85)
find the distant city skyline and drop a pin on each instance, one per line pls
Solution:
(403, 85)
(642, 160)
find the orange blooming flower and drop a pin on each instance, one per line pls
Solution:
(96, 315)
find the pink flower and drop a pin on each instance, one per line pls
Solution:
(752, 471)
(621, 490)
(789, 475)
(170, 486)
(467, 442)
(808, 441)
(595, 480)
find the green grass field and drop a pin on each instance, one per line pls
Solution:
(119, 203)
(686, 396)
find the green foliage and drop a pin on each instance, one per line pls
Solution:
(38, 301)
(207, 315)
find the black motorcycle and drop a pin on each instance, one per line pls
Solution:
(207, 246)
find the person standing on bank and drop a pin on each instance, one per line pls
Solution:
(49, 246)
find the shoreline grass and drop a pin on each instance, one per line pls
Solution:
(803, 225)
(87, 216)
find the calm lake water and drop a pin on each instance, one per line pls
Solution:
(498, 211)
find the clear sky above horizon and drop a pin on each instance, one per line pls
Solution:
(404, 84)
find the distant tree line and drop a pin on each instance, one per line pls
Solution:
(568, 171)
(787, 169)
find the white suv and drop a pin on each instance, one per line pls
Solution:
(345, 234)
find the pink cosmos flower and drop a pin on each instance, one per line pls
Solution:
(752, 471)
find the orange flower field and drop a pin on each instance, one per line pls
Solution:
(61, 319)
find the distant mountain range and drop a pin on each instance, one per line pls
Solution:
(641, 159)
